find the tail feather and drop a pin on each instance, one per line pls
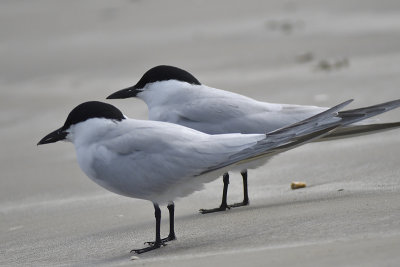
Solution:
(358, 130)
(356, 115)
(351, 116)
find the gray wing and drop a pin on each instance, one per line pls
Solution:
(145, 159)
(225, 112)
(287, 138)
(215, 111)
(315, 128)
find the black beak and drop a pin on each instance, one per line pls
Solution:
(124, 93)
(53, 137)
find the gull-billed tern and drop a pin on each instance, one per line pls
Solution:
(174, 95)
(159, 161)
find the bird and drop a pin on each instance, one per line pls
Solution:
(161, 161)
(175, 95)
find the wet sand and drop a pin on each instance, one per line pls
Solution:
(55, 56)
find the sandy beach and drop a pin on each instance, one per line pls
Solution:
(56, 55)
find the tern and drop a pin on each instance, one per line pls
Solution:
(175, 95)
(160, 161)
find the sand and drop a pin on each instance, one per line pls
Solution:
(57, 55)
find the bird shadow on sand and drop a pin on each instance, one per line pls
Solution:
(192, 231)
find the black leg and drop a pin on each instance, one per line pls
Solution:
(158, 243)
(245, 192)
(246, 200)
(224, 204)
(171, 236)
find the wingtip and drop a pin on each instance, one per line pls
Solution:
(345, 103)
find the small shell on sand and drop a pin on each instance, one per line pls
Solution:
(133, 258)
(297, 185)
